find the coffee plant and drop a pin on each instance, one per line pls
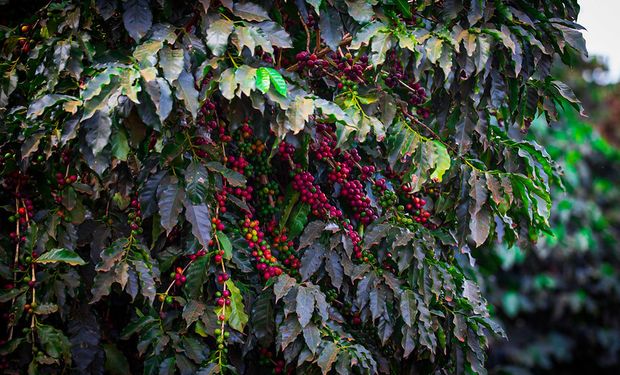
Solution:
(203, 187)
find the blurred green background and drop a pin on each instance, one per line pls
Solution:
(560, 300)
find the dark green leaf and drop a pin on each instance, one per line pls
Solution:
(62, 256)
(137, 18)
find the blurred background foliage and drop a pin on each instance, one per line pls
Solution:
(559, 301)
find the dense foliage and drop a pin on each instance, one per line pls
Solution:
(203, 187)
(558, 299)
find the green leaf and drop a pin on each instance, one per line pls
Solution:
(217, 36)
(186, 91)
(480, 223)
(276, 34)
(567, 93)
(192, 311)
(7, 295)
(46, 309)
(250, 11)
(298, 113)
(433, 49)
(147, 280)
(228, 84)
(288, 332)
(312, 260)
(298, 219)
(225, 244)
(245, 38)
(167, 366)
(262, 317)
(171, 62)
(305, 305)
(331, 27)
(380, 45)
(312, 336)
(11, 346)
(263, 81)
(115, 361)
(283, 286)
(277, 81)
(146, 53)
(161, 95)
(99, 128)
(209, 369)
(245, 76)
(196, 275)
(39, 106)
(60, 256)
(361, 10)
(170, 201)
(198, 215)
(328, 356)
(120, 146)
(404, 7)
(54, 342)
(234, 178)
(442, 160)
(238, 318)
(137, 18)
(476, 11)
(366, 33)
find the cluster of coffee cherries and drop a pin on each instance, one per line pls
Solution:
(356, 240)
(134, 218)
(285, 250)
(237, 164)
(387, 198)
(367, 171)
(310, 60)
(339, 172)
(285, 150)
(354, 192)
(310, 193)
(62, 180)
(24, 212)
(266, 360)
(208, 121)
(266, 262)
(326, 147)
(197, 254)
(331, 295)
(265, 202)
(395, 73)
(260, 165)
(23, 41)
(217, 224)
(240, 192)
(221, 335)
(221, 197)
(179, 278)
(351, 70)
(432, 190)
(243, 135)
(417, 97)
(222, 277)
(415, 206)
(223, 298)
